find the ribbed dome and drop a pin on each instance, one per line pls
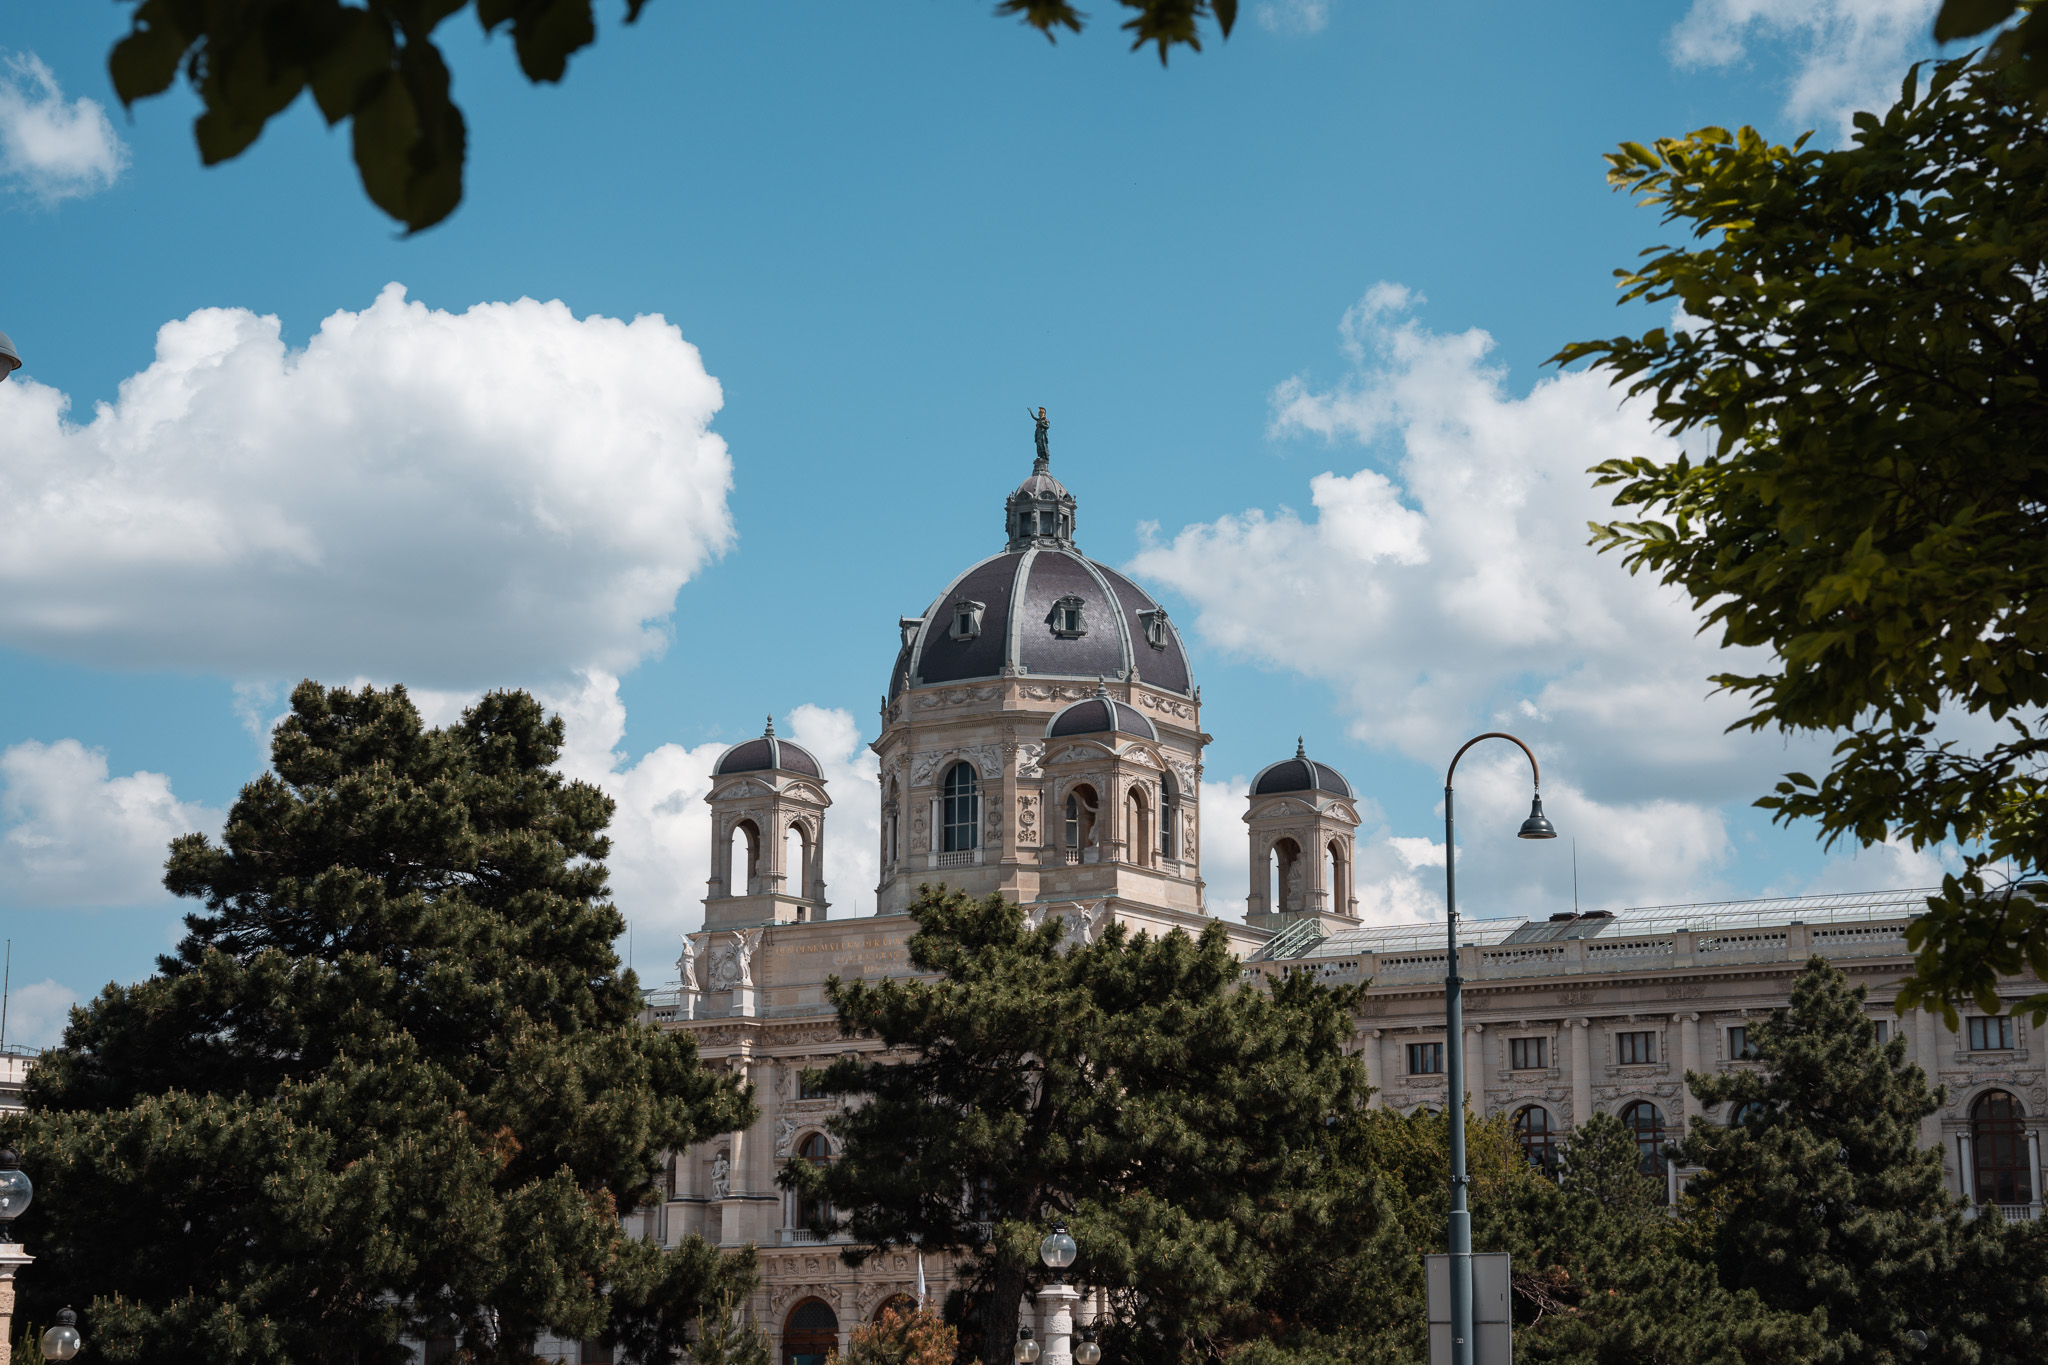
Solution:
(1299, 774)
(1041, 609)
(768, 752)
(1100, 715)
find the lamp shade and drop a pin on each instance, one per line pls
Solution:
(1058, 1249)
(1086, 1352)
(1537, 826)
(10, 359)
(1026, 1350)
(62, 1341)
(16, 1190)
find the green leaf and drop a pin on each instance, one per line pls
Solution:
(1963, 18)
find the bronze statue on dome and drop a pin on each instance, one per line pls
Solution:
(1041, 434)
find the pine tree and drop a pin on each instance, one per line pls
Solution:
(1603, 1276)
(1176, 1119)
(1827, 1204)
(725, 1336)
(391, 1083)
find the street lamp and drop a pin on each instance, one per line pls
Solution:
(10, 359)
(16, 1190)
(1537, 826)
(1026, 1350)
(1058, 1249)
(62, 1341)
(1087, 1353)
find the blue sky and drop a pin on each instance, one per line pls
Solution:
(1288, 302)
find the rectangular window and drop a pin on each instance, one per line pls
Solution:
(1740, 1049)
(1528, 1054)
(1425, 1059)
(1991, 1035)
(1884, 1031)
(810, 1086)
(1635, 1049)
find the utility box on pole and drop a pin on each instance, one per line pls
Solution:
(1492, 1321)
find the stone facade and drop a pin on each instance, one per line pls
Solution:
(1042, 739)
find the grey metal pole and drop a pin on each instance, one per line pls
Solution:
(1535, 827)
(1454, 1068)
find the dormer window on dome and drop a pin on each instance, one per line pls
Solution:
(1154, 622)
(1067, 619)
(967, 619)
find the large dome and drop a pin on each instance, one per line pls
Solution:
(1041, 609)
(767, 753)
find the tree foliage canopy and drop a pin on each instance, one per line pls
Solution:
(1176, 1120)
(392, 1082)
(376, 66)
(1862, 345)
(1822, 1201)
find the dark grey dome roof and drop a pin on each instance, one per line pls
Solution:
(1019, 632)
(1299, 774)
(1100, 715)
(1041, 609)
(760, 755)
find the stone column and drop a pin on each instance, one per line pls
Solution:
(12, 1258)
(1688, 1060)
(1475, 1067)
(1055, 1324)
(1375, 1062)
(1582, 1072)
(732, 1208)
(2034, 1168)
(1390, 1051)
(1966, 1167)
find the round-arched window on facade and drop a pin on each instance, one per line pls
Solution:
(810, 1334)
(1998, 1135)
(962, 812)
(1538, 1138)
(902, 1305)
(811, 1213)
(1742, 1116)
(1646, 1121)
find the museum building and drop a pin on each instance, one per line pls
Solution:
(1041, 737)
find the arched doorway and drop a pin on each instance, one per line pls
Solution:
(1286, 881)
(1539, 1140)
(810, 1334)
(1998, 1136)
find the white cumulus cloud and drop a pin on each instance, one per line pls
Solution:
(1293, 16)
(1850, 55)
(38, 1012)
(71, 835)
(1445, 588)
(52, 148)
(449, 498)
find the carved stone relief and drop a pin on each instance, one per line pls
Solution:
(986, 758)
(955, 696)
(1031, 759)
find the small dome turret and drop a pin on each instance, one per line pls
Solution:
(766, 753)
(1300, 774)
(1098, 715)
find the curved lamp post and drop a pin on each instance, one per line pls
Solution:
(62, 1341)
(1535, 827)
(10, 359)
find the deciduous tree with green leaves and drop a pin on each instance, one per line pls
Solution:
(393, 1081)
(1833, 1208)
(376, 66)
(1176, 1118)
(1861, 352)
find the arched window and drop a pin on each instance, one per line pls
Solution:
(892, 848)
(902, 1305)
(1286, 877)
(1742, 1117)
(796, 861)
(746, 866)
(1081, 817)
(1538, 1138)
(1998, 1133)
(1138, 839)
(963, 809)
(1646, 1121)
(1337, 877)
(1169, 814)
(812, 1213)
(810, 1333)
